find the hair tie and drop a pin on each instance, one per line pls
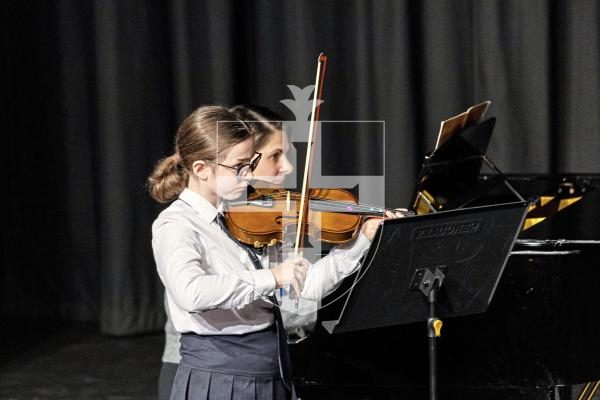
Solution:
(178, 160)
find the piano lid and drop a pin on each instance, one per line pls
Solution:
(449, 176)
(458, 174)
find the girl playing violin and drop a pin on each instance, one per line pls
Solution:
(217, 294)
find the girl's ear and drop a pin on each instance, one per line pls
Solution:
(201, 170)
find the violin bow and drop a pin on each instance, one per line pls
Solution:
(310, 152)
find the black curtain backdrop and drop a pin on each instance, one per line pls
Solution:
(93, 92)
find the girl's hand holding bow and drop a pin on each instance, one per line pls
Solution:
(291, 272)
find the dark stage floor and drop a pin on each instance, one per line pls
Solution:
(74, 362)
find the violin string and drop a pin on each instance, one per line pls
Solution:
(345, 206)
(342, 203)
(328, 206)
(325, 204)
(341, 207)
(278, 196)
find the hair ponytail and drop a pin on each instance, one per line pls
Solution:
(167, 180)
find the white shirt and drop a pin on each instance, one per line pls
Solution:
(212, 286)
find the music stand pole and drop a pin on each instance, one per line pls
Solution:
(429, 283)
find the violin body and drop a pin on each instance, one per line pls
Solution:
(268, 217)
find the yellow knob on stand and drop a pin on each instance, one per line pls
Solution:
(437, 327)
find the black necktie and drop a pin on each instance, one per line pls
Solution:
(285, 363)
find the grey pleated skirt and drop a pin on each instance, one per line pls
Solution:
(229, 367)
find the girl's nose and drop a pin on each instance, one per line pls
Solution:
(286, 166)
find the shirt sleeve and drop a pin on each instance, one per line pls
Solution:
(180, 261)
(326, 274)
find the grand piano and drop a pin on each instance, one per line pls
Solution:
(540, 337)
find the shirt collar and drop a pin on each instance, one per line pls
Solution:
(202, 206)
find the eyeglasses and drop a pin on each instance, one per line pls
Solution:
(242, 170)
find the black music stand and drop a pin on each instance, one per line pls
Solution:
(432, 266)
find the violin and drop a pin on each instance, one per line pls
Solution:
(330, 215)
(270, 215)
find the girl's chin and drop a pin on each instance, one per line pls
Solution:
(276, 180)
(235, 193)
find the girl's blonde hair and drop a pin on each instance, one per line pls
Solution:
(205, 132)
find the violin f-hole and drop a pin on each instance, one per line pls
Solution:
(280, 217)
